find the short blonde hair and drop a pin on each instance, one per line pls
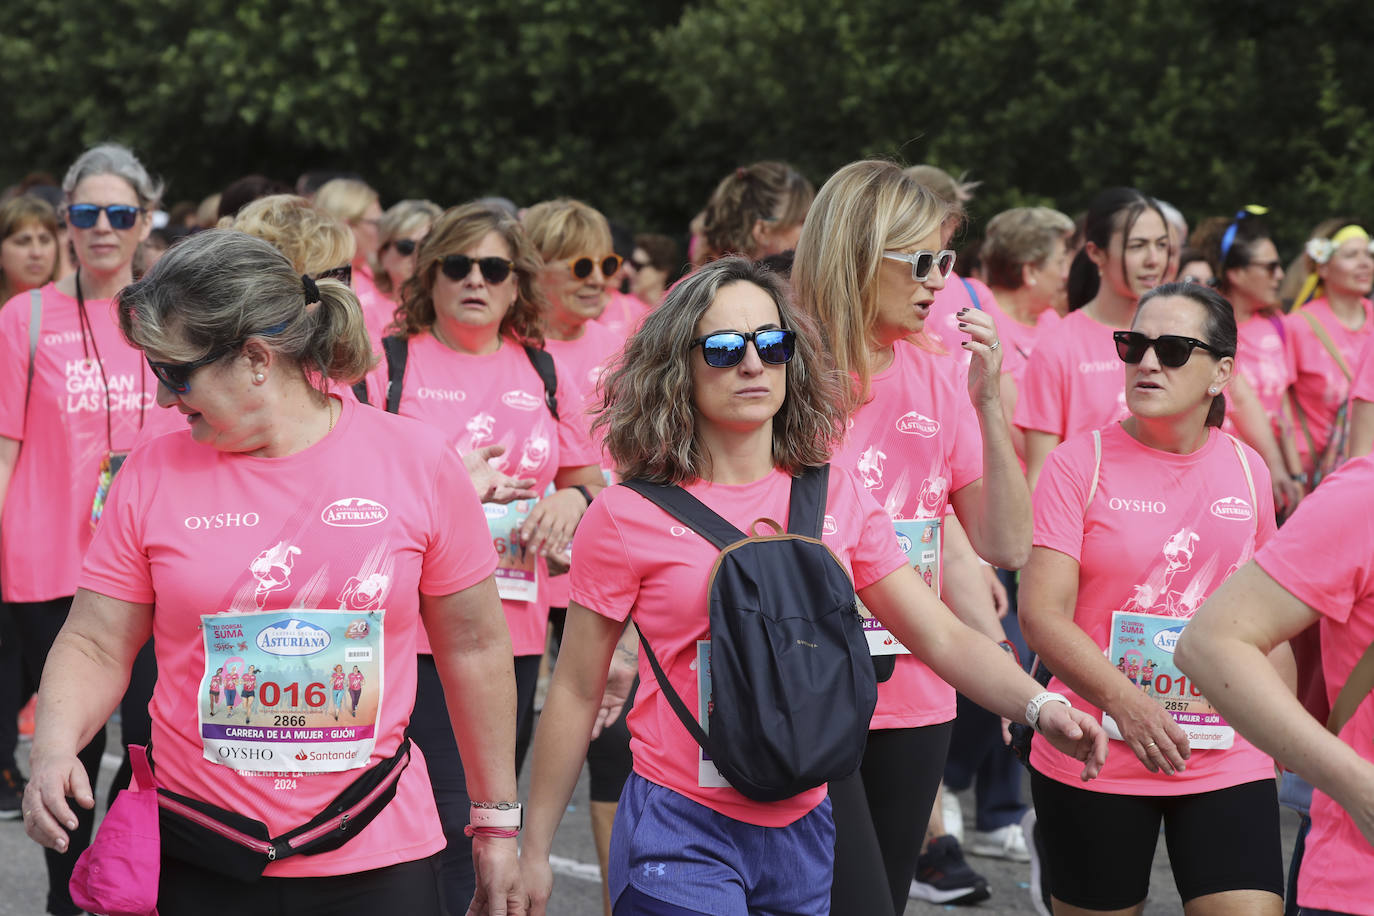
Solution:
(1021, 236)
(647, 413)
(865, 208)
(565, 228)
(312, 240)
(771, 191)
(345, 198)
(464, 227)
(401, 218)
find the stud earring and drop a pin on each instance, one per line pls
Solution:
(1212, 391)
(260, 378)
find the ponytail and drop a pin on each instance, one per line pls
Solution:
(339, 348)
(1084, 280)
(1216, 414)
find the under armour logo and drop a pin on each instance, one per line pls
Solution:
(655, 868)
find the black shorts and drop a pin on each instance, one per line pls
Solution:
(1100, 847)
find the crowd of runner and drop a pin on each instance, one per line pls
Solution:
(316, 492)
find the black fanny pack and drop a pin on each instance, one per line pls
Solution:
(238, 846)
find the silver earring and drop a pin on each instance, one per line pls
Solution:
(260, 378)
(1211, 391)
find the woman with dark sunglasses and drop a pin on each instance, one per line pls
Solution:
(1136, 524)
(471, 317)
(399, 232)
(323, 493)
(73, 395)
(726, 391)
(868, 265)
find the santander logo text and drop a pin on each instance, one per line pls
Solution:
(353, 512)
(1151, 506)
(520, 400)
(1233, 507)
(915, 424)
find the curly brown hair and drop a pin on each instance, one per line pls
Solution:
(464, 227)
(647, 414)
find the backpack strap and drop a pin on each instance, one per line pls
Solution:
(1330, 347)
(1249, 478)
(1277, 322)
(675, 700)
(397, 350)
(1357, 686)
(1097, 467)
(689, 510)
(972, 294)
(543, 364)
(806, 505)
(35, 328)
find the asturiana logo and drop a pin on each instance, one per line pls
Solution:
(904, 541)
(1166, 640)
(353, 512)
(1233, 507)
(520, 400)
(829, 525)
(293, 637)
(915, 424)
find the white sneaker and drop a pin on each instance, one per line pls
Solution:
(1003, 843)
(952, 813)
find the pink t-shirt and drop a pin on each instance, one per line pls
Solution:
(380, 501)
(1074, 382)
(913, 444)
(1338, 585)
(1321, 388)
(586, 358)
(623, 314)
(1161, 533)
(1362, 388)
(378, 310)
(634, 560)
(942, 324)
(46, 525)
(1266, 361)
(498, 398)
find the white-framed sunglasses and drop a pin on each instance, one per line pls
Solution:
(922, 262)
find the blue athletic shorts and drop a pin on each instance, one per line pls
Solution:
(669, 848)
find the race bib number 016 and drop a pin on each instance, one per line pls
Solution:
(1142, 648)
(291, 691)
(920, 540)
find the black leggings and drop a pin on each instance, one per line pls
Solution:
(38, 624)
(881, 813)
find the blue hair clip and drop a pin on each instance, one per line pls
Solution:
(1229, 238)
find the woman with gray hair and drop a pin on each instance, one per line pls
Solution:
(285, 532)
(72, 399)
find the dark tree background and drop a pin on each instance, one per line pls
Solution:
(639, 106)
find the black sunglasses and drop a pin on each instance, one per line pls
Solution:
(1173, 350)
(177, 376)
(582, 267)
(726, 348)
(405, 247)
(121, 216)
(494, 269)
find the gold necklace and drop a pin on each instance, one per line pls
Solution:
(330, 407)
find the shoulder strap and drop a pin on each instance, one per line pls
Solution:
(1357, 686)
(143, 773)
(543, 364)
(689, 510)
(806, 505)
(35, 328)
(1249, 478)
(1325, 339)
(1277, 322)
(675, 700)
(397, 350)
(1097, 466)
(972, 294)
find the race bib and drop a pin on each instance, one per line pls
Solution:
(1142, 648)
(291, 691)
(517, 573)
(920, 539)
(708, 777)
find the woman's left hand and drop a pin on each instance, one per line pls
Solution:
(550, 527)
(985, 368)
(55, 778)
(1077, 734)
(500, 889)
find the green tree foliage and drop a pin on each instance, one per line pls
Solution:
(639, 107)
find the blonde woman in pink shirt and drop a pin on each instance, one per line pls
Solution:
(1136, 524)
(294, 814)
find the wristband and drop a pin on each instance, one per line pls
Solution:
(498, 815)
(586, 494)
(1037, 702)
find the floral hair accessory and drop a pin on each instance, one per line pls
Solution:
(1319, 250)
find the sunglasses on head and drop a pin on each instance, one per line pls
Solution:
(405, 247)
(922, 262)
(494, 269)
(724, 349)
(121, 216)
(582, 267)
(1173, 350)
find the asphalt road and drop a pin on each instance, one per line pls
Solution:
(577, 891)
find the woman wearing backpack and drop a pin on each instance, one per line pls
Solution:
(726, 392)
(470, 313)
(1135, 525)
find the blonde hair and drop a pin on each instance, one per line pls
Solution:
(770, 191)
(216, 289)
(1021, 236)
(311, 239)
(566, 228)
(21, 211)
(345, 198)
(647, 414)
(865, 208)
(464, 227)
(401, 218)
